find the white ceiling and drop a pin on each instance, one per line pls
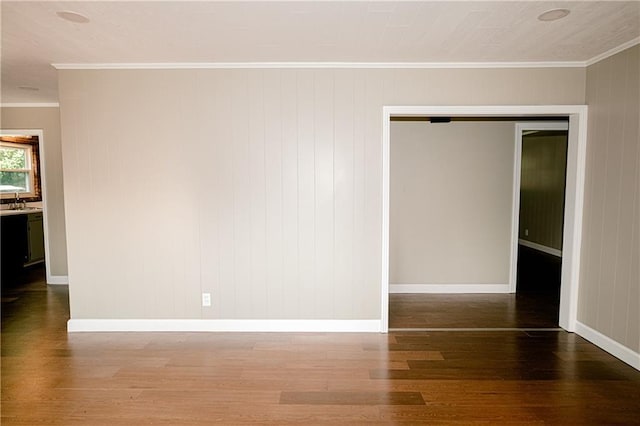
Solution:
(33, 37)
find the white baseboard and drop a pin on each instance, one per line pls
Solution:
(614, 348)
(219, 325)
(449, 288)
(540, 247)
(57, 279)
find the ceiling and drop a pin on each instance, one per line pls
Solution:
(416, 32)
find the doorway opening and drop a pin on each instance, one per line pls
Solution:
(541, 177)
(571, 227)
(24, 207)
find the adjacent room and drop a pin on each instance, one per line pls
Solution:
(477, 215)
(313, 212)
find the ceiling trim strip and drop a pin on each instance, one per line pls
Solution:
(353, 65)
(613, 51)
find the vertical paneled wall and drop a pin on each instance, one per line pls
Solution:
(542, 187)
(610, 275)
(262, 187)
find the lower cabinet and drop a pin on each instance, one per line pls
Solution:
(22, 244)
(35, 239)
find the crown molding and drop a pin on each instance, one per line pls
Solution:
(343, 65)
(613, 51)
(314, 65)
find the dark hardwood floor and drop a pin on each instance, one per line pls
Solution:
(536, 303)
(442, 311)
(439, 377)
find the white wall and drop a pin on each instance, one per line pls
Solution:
(48, 120)
(451, 197)
(262, 187)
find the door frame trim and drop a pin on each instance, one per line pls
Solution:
(574, 193)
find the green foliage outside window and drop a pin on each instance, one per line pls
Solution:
(13, 158)
(12, 163)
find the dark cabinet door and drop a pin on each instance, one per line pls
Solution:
(13, 233)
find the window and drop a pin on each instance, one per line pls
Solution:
(19, 168)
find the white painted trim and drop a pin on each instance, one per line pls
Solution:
(354, 65)
(549, 250)
(573, 213)
(611, 52)
(57, 280)
(43, 183)
(574, 194)
(515, 208)
(614, 348)
(386, 164)
(520, 128)
(220, 325)
(342, 65)
(449, 288)
(511, 111)
(30, 105)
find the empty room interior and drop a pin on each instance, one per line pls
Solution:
(451, 228)
(313, 212)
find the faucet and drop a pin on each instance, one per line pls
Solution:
(17, 204)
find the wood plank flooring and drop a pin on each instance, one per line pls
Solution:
(439, 377)
(472, 311)
(535, 305)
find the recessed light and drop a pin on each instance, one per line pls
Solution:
(71, 16)
(553, 15)
(28, 88)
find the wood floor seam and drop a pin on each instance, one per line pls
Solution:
(453, 329)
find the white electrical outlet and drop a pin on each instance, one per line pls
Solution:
(526, 232)
(206, 299)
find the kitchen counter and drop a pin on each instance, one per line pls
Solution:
(27, 210)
